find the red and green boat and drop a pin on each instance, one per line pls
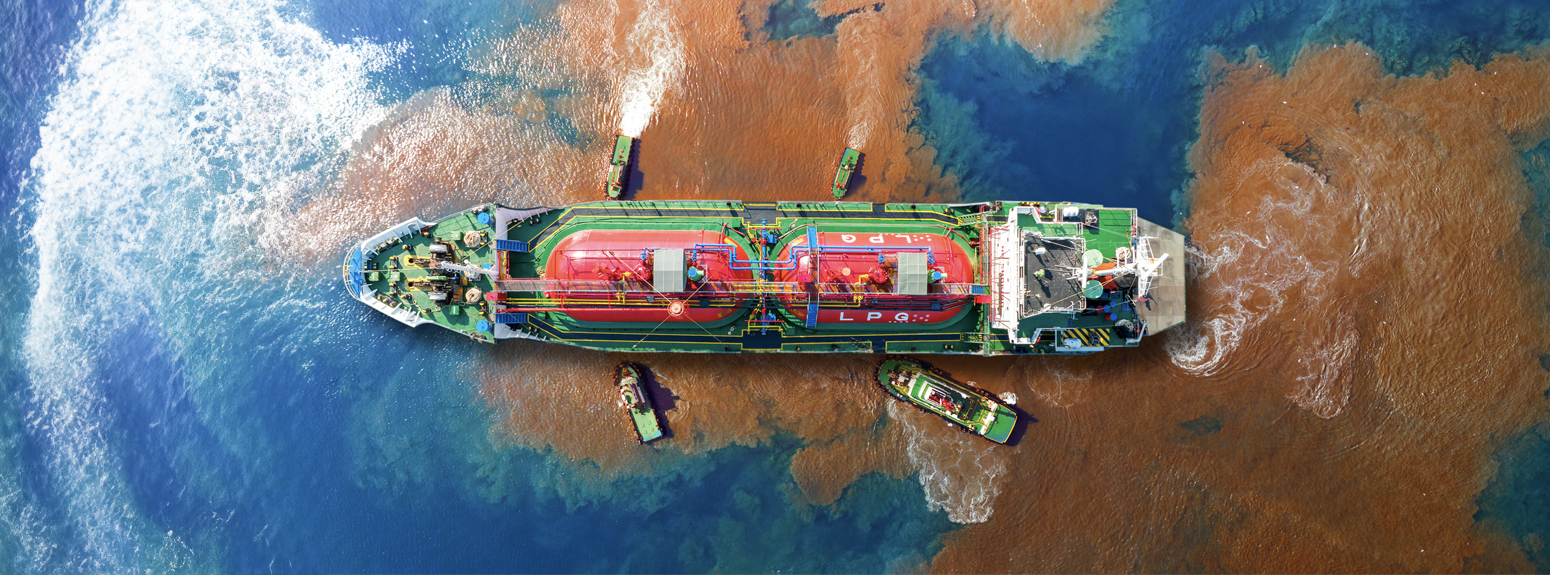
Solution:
(637, 403)
(992, 278)
(973, 409)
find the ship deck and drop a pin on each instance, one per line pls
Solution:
(645, 422)
(398, 281)
(542, 231)
(760, 313)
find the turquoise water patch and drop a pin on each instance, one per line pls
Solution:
(789, 19)
(1417, 37)
(1536, 171)
(1203, 425)
(1519, 495)
(1113, 129)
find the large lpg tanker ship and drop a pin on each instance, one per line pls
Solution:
(989, 278)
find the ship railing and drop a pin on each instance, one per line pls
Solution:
(987, 268)
(790, 263)
(973, 219)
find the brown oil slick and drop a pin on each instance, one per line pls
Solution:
(1366, 311)
(1366, 321)
(722, 111)
(1365, 327)
(563, 399)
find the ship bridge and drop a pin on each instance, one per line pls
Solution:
(1081, 277)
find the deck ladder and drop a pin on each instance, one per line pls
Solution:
(511, 246)
(510, 318)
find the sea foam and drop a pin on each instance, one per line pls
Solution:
(960, 473)
(656, 34)
(178, 125)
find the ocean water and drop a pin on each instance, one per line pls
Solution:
(1362, 385)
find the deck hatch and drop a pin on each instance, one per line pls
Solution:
(667, 270)
(912, 274)
(510, 318)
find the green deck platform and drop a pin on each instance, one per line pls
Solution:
(618, 165)
(642, 411)
(850, 159)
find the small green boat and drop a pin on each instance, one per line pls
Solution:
(973, 409)
(848, 162)
(633, 399)
(618, 165)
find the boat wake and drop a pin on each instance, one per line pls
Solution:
(1262, 274)
(961, 474)
(656, 34)
(178, 125)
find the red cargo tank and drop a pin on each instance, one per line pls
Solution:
(851, 258)
(615, 255)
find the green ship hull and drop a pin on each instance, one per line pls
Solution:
(849, 159)
(635, 401)
(974, 410)
(618, 166)
(991, 278)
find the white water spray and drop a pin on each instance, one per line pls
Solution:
(961, 474)
(657, 34)
(178, 122)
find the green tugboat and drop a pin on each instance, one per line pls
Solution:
(973, 409)
(618, 165)
(848, 161)
(637, 403)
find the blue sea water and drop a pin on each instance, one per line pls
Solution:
(175, 400)
(1116, 126)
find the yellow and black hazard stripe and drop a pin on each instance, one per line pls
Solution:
(1090, 336)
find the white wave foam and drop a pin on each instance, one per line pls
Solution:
(656, 33)
(960, 473)
(178, 125)
(1293, 246)
(1054, 382)
(865, 108)
(1323, 369)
